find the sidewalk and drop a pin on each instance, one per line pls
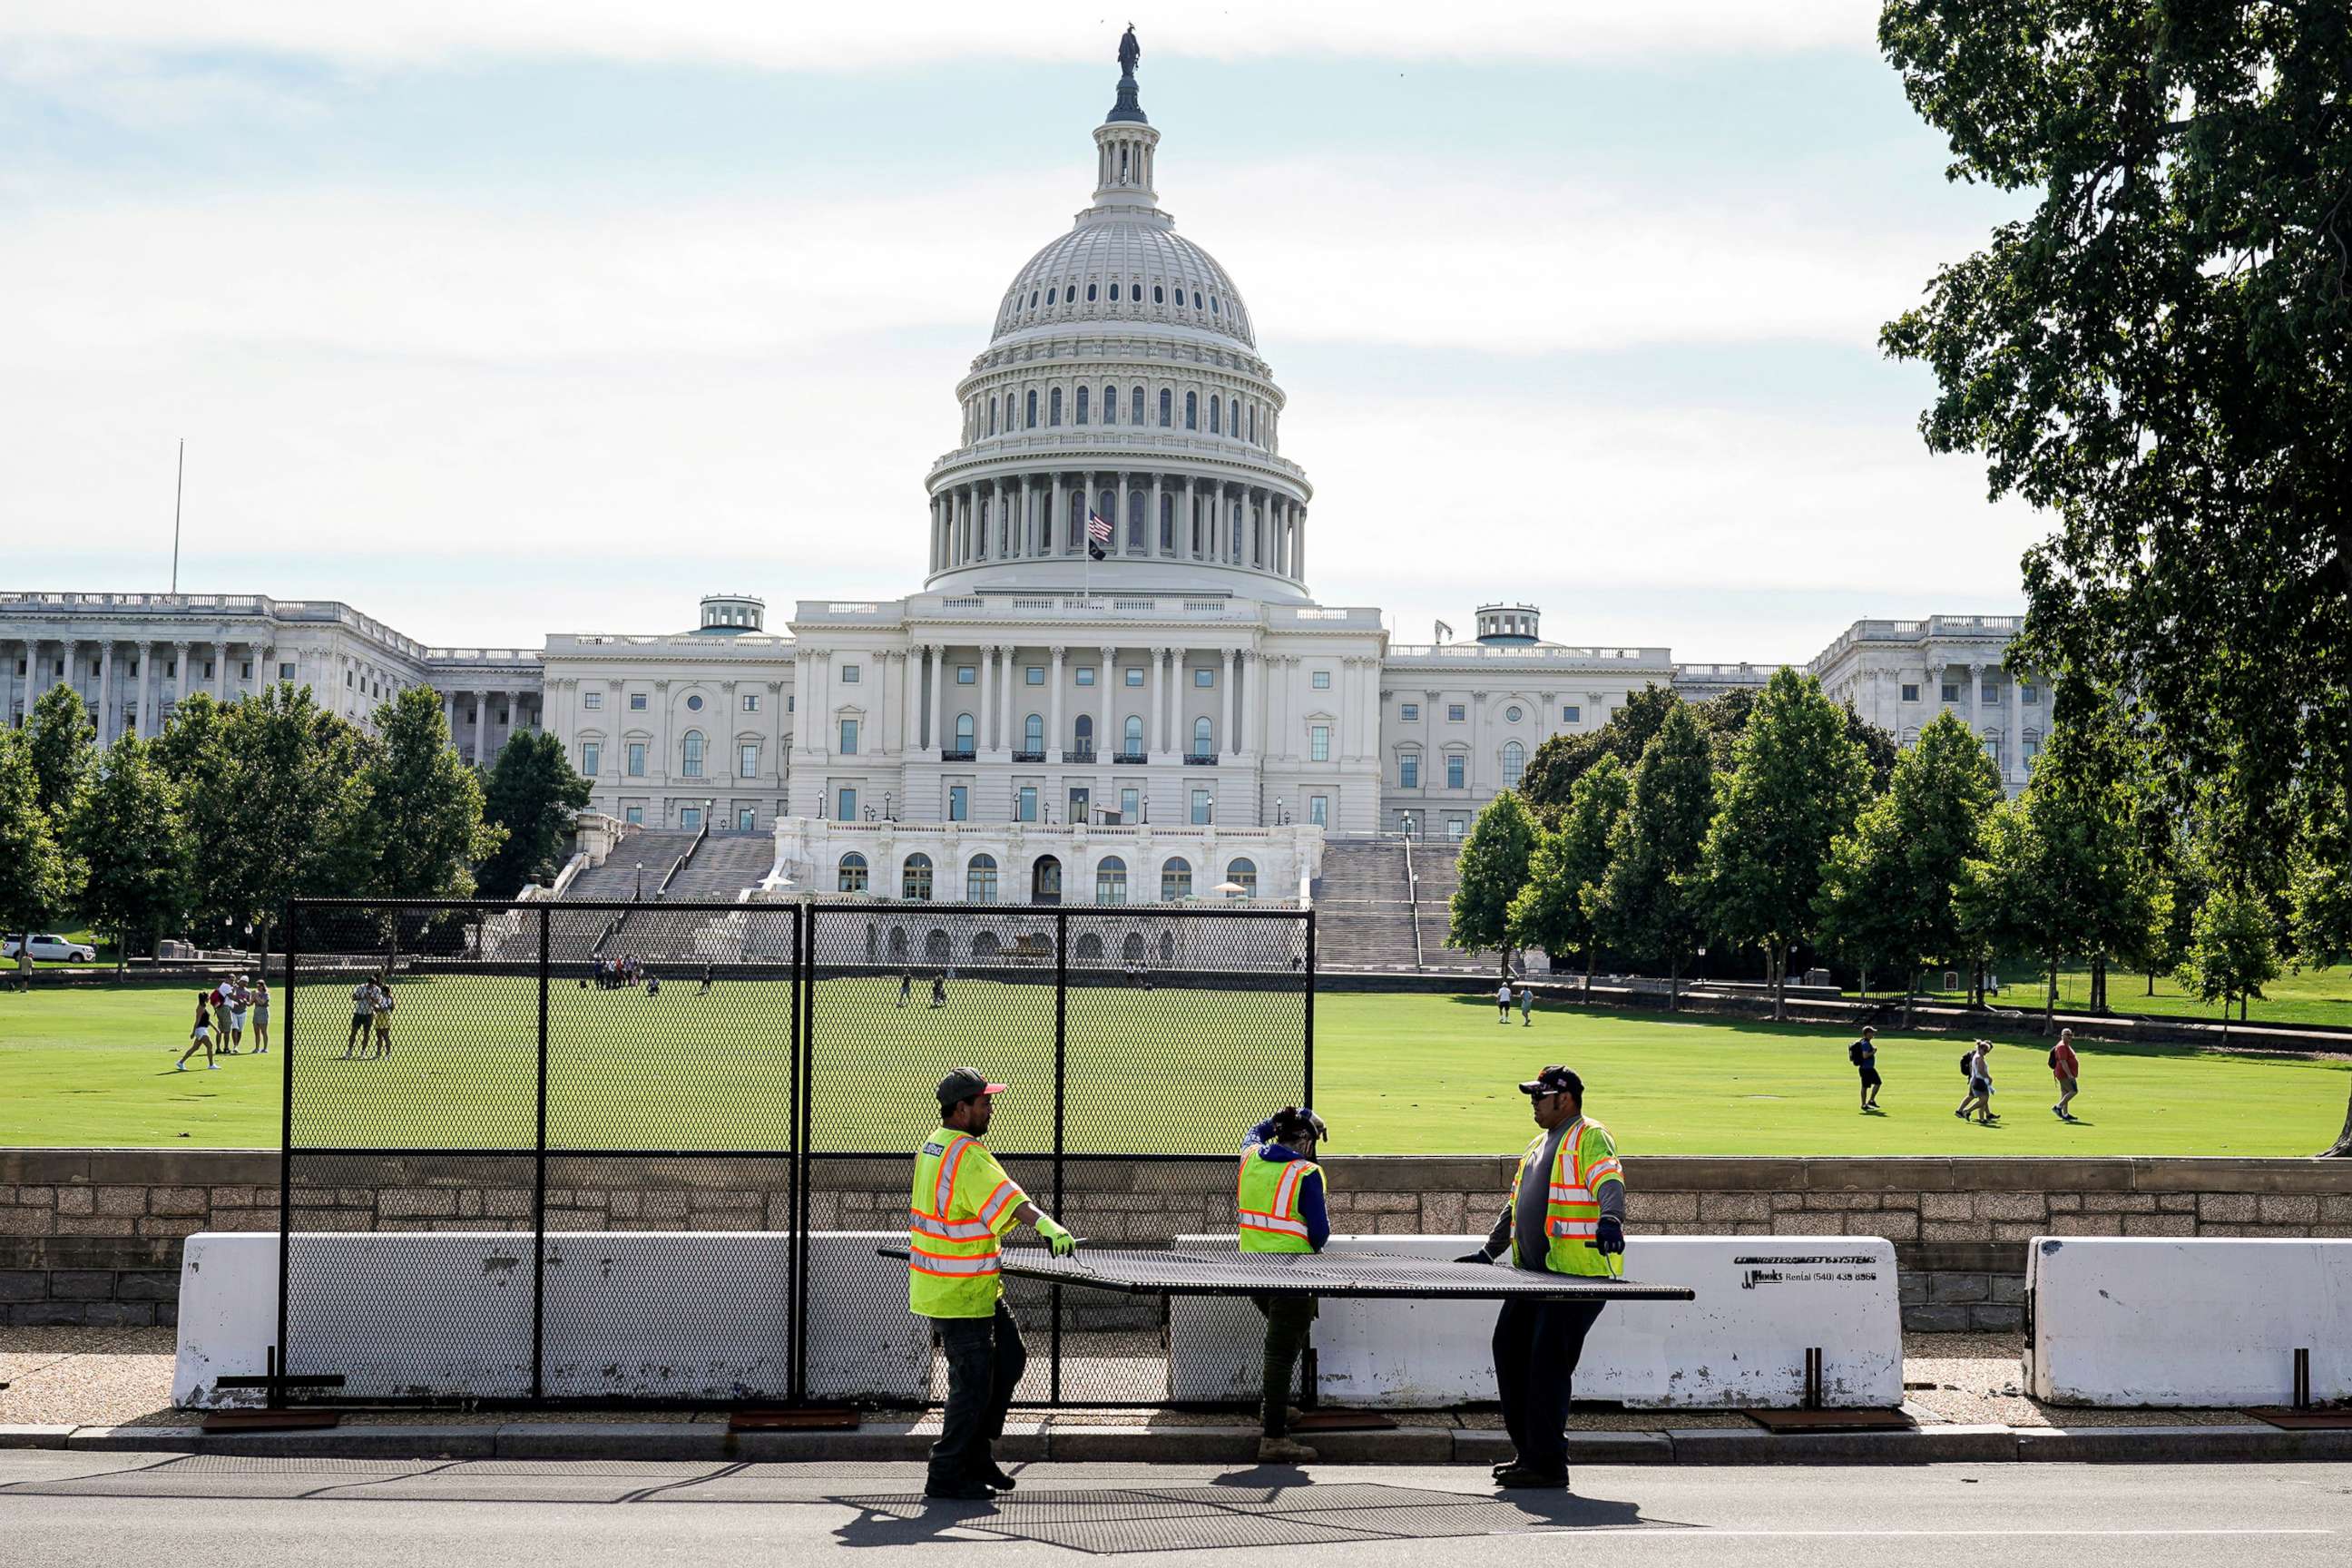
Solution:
(110, 1389)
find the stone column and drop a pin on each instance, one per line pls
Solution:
(937, 655)
(220, 672)
(1055, 736)
(910, 701)
(1155, 723)
(1151, 545)
(1226, 709)
(449, 714)
(988, 737)
(1243, 662)
(482, 726)
(106, 692)
(149, 723)
(1104, 723)
(180, 674)
(1975, 703)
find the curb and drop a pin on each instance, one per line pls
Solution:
(1034, 1443)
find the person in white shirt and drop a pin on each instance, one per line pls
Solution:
(1503, 1003)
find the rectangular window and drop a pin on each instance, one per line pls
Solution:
(285, 672)
(1454, 712)
(1408, 773)
(1028, 802)
(1910, 691)
(2029, 693)
(751, 702)
(1454, 770)
(1455, 826)
(845, 799)
(594, 701)
(1034, 674)
(1086, 675)
(747, 818)
(1081, 803)
(848, 747)
(591, 756)
(1319, 742)
(1322, 680)
(244, 671)
(959, 803)
(636, 701)
(1951, 692)
(967, 675)
(348, 680)
(636, 759)
(635, 814)
(1410, 712)
(690, 818)
(1991, 694)
(1319, 810)
(1130, 805)
(1199, 807)
(747, 761)
(1572, 713)
(1133, 674)
(208, 668)
(850, 675)
(1205, 676)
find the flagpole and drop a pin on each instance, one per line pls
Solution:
(179, 483)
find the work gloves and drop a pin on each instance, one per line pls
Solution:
(1477, 1257)
(1609, 1235)
(1057, 1236)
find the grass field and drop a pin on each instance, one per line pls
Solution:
(1397, 1074)
(2312, 996)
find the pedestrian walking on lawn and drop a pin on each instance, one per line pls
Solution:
(2068, 1070)
(383, 1007)
(201, 1036)
(239, 1001)
(906, 986)
(1864, 1054)
(363, 1016)
(1977, 1065)
(1503, 1003)
(1527, 1006)
(260, 1017)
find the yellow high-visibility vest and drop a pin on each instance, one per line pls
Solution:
(1265, 1204)
(961, 1202)
(1587, 1157)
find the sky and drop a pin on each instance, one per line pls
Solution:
(499, 318)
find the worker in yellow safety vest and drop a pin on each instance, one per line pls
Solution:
(1278, 1206)
(962, 1203)
(1565, 1214)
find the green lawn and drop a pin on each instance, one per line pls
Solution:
(2311, 997)
(1397, 1074)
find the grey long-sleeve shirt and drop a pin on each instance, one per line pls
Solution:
(1529, 1207)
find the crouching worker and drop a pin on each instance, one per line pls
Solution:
(961, 1203)
(1278, 1207)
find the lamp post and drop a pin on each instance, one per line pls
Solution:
(641, 881)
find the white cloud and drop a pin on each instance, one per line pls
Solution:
(848, 38)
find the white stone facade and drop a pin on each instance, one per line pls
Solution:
(1900, 674)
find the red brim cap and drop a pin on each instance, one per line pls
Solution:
(993, 1088)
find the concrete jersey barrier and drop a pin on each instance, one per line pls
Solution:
(1762, 1301)
(2188, 1323)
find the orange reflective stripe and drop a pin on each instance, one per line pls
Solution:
(1006, 1192)
(1250, 1220)
(948, 1229)
(950, 1161)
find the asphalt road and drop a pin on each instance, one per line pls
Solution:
(197, 1510)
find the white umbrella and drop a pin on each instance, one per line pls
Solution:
(1229, 888)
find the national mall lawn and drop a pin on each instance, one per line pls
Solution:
(1395, 1074)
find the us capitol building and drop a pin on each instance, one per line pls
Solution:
(1115, 684)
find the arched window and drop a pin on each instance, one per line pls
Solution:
(1176, 880)
(1515, 763)
(1253, 412)
(1033, 298)
(1196, 299)
(914, 882)
(963, 732)
(1167, 408)
(1033, 408)
(1032, 732)
(1168, 525)
(1243, 875)
(1237, 531)
(690, 764)
(991, 417)
(897, 944)
(1191, 411)
(980, 880)
(1135, 521)
(1212, 305)
(1159, 295)
(1204, 743)
(851, 877)
(1049, 295)
(1089, 948)
(1167, 947)
(1114, 293)
(1053, 406)
(1216, 419)
(1111, 880)
(1135, 408)
(1090, 288)
(1132, 950)
(1082, 407)
(1083, 733)
(1132, 746)
(1106, 503)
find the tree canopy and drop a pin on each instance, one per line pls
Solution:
(420, 823)
(128, 832)
(1649, 905)
(36, 877)
(535, 795)
(1553, 911)
(1494, 868)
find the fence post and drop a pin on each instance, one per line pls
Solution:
(800, 1165)
(1061, 1095)
(539, 1186)
(1307, 1092)
(284, 1154)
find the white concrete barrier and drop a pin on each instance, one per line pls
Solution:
(1762, 1301)
(2163, 1321)
(633, 1314)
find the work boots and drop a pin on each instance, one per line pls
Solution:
(1283, 1451)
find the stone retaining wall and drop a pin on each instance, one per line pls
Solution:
(93, 1236)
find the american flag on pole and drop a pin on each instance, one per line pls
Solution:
(1098, 533)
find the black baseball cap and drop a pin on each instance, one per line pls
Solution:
(1554, 1080)
(963, 1083)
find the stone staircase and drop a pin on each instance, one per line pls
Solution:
(1362, 920)
(1436, 863)
(617, 879)
(721, 867)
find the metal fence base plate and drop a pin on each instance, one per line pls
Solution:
(271, 1420)
(813, 1418)
(2292, 1420)
(1830, 1420)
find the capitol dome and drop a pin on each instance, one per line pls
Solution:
(1119, 432)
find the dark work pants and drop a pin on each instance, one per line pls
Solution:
(985, 1360)
(1288, 1321)
(1537, 1346)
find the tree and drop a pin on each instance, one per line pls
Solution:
(535, 795)
(2160, 357)
(2233, 949)
(1795, 784)
(420, 828)
(1552, 772)
(129, 834)
(272, 800)
(1891, 887)
(34, 877)
(1551, 911)
(61, 736)
(1648, 903)
(2321, 899)
(1494, 868)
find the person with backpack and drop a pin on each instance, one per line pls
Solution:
(1977, 1064)
(2068, 1070)
(1864, 1054)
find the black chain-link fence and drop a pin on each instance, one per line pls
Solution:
(663, 1141)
